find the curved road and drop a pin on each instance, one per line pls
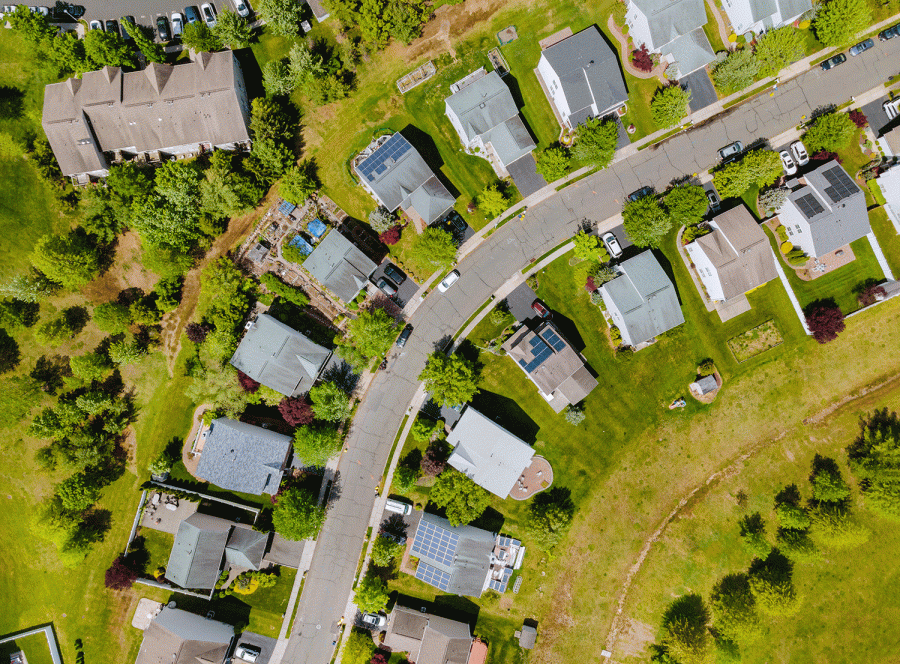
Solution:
(597, 197)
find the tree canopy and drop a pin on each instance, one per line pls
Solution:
(385, 550)
(595, 142)
(297, 185)
(152, 51)
(550, 516)
(875, 460)
(232, 30)
(451, 379)
(372, 332)
(297, 515)
(435, 246)
(757, 167)
(838, 21)
(553, 163)
(371, 594)
(669, 105)
(281, 16)
(646, 222)
(316, 443)
(329, 402)
(830, 132)
(686, 204)
(736, 71)
(492, 201)
(685, 630)
(71, 260)
(108, 49)
(778, 48)
(463, 500)
(734, 608)
(589, 247)
(200, 38)
(772, 585)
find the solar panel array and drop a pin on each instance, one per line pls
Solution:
(394, 148)
(433, 577)
(286, 207)
(500, 585)
(508, 541)
(553, 339)
(841, 184)
(809, 206)
(434, 542)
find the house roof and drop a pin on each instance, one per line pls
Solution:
(428, 639)
(791, 8)
(510, 140)
(464, 559)
(487, 453)
(552, 363)
(669, 20)
(644, 297)
(892, 138)
(178, 637)
(483, 104)
(705, 385)
(762, 9)
(889, 183)
(241, 457)
(588, 71)
(739, 251)
(528, 637)
(196, 556)
(833, 205)
(163, 106)
(246, 547)
(279, 357)
(339, 266)
(399, 176)
(692, 51)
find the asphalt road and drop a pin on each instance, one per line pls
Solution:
(597, 197)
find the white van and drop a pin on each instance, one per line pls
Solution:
(398, 507)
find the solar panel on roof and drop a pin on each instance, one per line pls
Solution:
(434, 542)
(384, 157)
(432, 576)
(553, 339)
(841, 184)
(809, 206)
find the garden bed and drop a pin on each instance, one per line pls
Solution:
(755, 341)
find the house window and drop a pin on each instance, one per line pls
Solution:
(797, 228)
(790, 232)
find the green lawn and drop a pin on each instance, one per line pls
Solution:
(712, 31)
(267, 605)
(35, 647)
(887, 238)
(158, 546)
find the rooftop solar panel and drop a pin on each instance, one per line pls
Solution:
(553, 339)
(434, 542)
(841, 184)
(432, 576)
(809, 206)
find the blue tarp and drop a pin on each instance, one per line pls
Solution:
(304, 246)
(316, 228)
(286, 208)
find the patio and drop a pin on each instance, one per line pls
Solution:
(537, 477)
(165, 512)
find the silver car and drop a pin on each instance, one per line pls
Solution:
(177, 24)
(612, 245)
(208, 11)
(729, 152)
(801, 156)
(790, 166)
(373, 620)
(242, 9)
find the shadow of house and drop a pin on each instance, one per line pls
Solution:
(507, 413)
(569, 330)
(426, 147)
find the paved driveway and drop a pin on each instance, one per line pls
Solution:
(265, 643)
(878, 119)
(703, 93)
(405, 291)
(524, 173)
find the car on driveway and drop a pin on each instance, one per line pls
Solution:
(192, 14)
(386, 287)
(162, 28)
(448, 281)
(730, 152)
(208, 10)
(373, 620)
(713, 198)
(404, 336)
(831, 63)
(790, 166)
(177, 24)
(540, 309)
(95, 25)
(889, 33)
(801, 156)
(640, 193)
(242, 9)
(892, 108)
(112, 26)
(612, 245)
(395, 273)
(247, 652)
(861, 47)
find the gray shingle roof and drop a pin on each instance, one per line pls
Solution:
(428, 639)
(692, 51)
(246, 547)
(588, 71)
(705, 385)
(241, 457)
(791, 8)
(487, 453)
(483, 104)
(645, 298)
(179, 637)
(670, 19)
(279, 357)
(196, 557)
(510, 140)
(163, 106)
(469, 568)
(339, 266)
(762, 9)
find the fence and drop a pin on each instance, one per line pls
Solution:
(417, 77)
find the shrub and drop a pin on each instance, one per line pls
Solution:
(574, 415)
(858, 118)
(797, 257)
(247, 384)
(641, 59)
(707, 368)
(120, 574)
(196, 332)
(771, 200)
(391, 236)
(381, 219)
(434, 462)
(296, 411)
(781, 232)
(870, 295)
(825, 155)
(825, 321)
(285, 291)
(615, 334)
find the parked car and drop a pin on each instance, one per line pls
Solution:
(713, 198)
(95, 25)
(162, 28)
(192, 14)
(889, 33)
(395, 273)
(127, 22)
(455, 223)
(730, 152)
(404, 336)
(540, 309)
(397, 506)
(112, 26)
(242, 9)
(61, 10)
(448, 281)
(247, 652)
(373, 620)
(612, 245)
(862, 47)
(43, 11)
(790, 166)
(892, 108)
(209, 14)
(831, 63)
(640, 193)
(177, 24)
(801, 156)
(386, 287)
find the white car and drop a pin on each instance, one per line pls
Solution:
(177, 24)
(448, 281)
(790, 166)
(242, 9)
(373, 620)
(209, 14)
(801, 156)
(95, 25)
(40, 10)
(612, 245)
(247, 652)
(892, 108)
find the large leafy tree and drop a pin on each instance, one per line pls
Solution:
(70, 260)
(734, 608)
(372, 332)
(329, 402)
(493, 201)
(297, 515)
(30, 287)
(595, 142)
(646, 222)
(772, 585)
(757, 167)
(297, 184)
(669, 105)
(315, 444)
(385, 550)
(838, 21)
(686, 204)
(77, 492)
(827, 482)
(825, 320)
(199, 37)
(223, 190)
(830, 132)
(232, 30)
(736, 71)
(550, 516)
(778, 48)
(278, 79)
(67, 54)
(434, 246)
(359, 647)
(281, 16)
(463, 500)
(371, 594)
(451, 379)
(107, 48)
(589, 248)
(90, 366)
(319, 77)
(152, 51)
(553, 163)
(875, 460)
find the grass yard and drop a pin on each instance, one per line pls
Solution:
(887, 238)
(712, 31)
(35, 647)
(158, 546)
(754, 341)
(267, 605)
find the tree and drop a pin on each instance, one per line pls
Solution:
(372, 332)
(121, 573)
(16, 314)
(359, 648)
(391, 236)
(685, 632)
(463, 500)
(553, 163)
(736, 71)
(492, 201)
(371, 594)
(278, 79)
(733, 608)
(830, 132)
(112, 317)
(126, 352)
(268, 120)
(434, 246)
(285, 291)
(641, 59)
(669, 105)
(282, 16)
(405, 479)
(405, 19)
(297, 515)
(825, 320)
(167, 293)
(381, 219)
(838, 21)
(385, 550)
(875, 460)
(858, 118)
(315, 444)
(589, 248)
(297, 185)
(152, 51)
(126, 183)
(296, 411)
(196, 332)
(686, 204)
(771, 200)
(71, 260)
(757, 167)
(232, 30)
(161, 465)
(792, 516)
(33, 26)
(772, 585)
(827, 482)
(90, 366)
(753, 533)
(329, 402)
(223, 190)
(54, 331)
(450, 379)
(270, 159)
(646, 222)
(778, 48)
(434, 462)
(107, 49)
(30, 288)
(198, 37)
(10, 356)
(595, 142)
(833, 525)
(550, 516)
(77, 493)
(66, 53)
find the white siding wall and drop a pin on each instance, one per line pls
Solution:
(640, 28)
(551, 80)
(797, 227)
(457, 125)
(617, 319)
(708, 274)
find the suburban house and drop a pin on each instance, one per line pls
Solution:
(204, 544)
(552, 364)
(463, 560)
(674, 29)
(581, 77)
(735, 258)
(396, 176)
(824, 211)
(178, 637)
(889, 142)
(641, 301)
(757, 16)
(339, 266)
(279, 357)
(430, 639)
(488, 454)
(484, 114)
(241, 457)
(889, 183)
(161, 112)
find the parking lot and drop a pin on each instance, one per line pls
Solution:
(145, 12)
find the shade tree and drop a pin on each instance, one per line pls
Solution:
(451, 379)
(316, 443)
(463, 500)
(595, 141)
(550, 516)
(329, 402)
(297, 515)
(875, 461)
(646, 222)
(669, 105)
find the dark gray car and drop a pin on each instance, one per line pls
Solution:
(394, 273)
(192, 14)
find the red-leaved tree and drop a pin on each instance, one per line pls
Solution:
(859, 118)
(120, 575)
(197, 332)
(296, 411)
(825, 322)
(379, 657)
(589, 285)
(824, 155)
(641, 59)
(247, 383)
(870, 295)
(391, 236)
(435, 460)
